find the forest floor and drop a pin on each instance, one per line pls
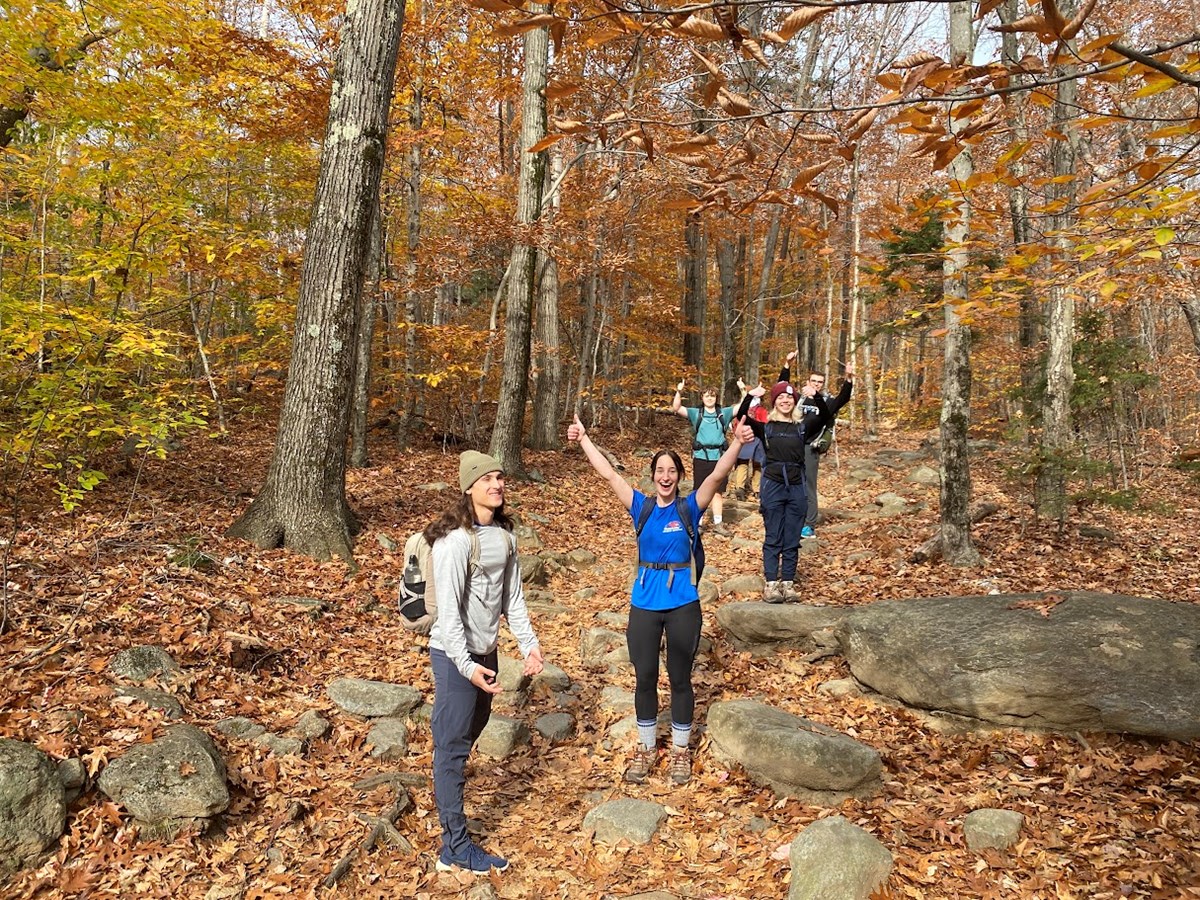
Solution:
(1107, 816)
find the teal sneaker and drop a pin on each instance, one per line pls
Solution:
(807, 532)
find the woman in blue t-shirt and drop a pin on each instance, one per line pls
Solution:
(664, 597)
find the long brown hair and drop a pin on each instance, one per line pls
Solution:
(462, 515)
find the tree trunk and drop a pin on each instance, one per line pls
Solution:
(514, 381)
(727, 268)
(756, 327)
(548, 390)
(695, 292)
(1051, 487)
(1191, 311)
(302, 504)
(955, 520)
(412, 269)
(1018, 210)
(362, 355)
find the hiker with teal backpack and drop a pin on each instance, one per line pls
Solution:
(475, 579)
(665, 597)
(709, 424)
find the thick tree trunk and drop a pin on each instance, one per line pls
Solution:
(756, 327)
(1191, 311)
(1051, 487)
(730, 261)
(955, 520)
(303, 505)
(523, 268)
(412, 269)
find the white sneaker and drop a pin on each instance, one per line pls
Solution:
(772, 593)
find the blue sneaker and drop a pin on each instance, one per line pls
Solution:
(807, 532)
(474, 860)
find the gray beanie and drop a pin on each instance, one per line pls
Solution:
(473, 465)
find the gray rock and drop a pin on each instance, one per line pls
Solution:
(616, 699)
(386, 542)
(754, 625)
(527, 538)
(511, 675)
(552, 677)
(794, 756)
(752, 523)
(996, 829)
(372, 699)
(533, 569)
(178, 776)
(925, 475)
(33, 806)
(555, 726)
(1071, 661)
(141, 663)
(311, 726)
(635, 821)
(73, 775)
(388, 738)
(160, 700)
(579, 559)
(707, 591)
(841, 687)
(834, 858)
(280, 746)
(617, 620)
(502, 737)
(596, 643)
(240, 727)
(583, 594)
(433, 486)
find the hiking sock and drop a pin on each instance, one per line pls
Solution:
(681, 735)
(646, 733)
(716, 519)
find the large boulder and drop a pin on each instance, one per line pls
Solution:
(753, 626)
(177, 777)
(794, 756)
(33, 808)
(373, 699)
(1072, 661)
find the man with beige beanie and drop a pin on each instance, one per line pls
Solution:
(476, 581)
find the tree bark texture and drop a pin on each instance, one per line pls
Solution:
(695, 292)
(1051, 487)
(302, 504)
(362, 356)
(955, 420)
(413, 313)
(548, 390)
(509, 430)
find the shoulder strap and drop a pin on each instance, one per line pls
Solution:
(644, 515)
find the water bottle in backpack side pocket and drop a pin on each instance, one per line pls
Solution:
(412, 591)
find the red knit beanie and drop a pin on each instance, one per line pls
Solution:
(781, 387)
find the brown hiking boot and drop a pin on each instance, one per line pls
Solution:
(681, 765)
(641, 764)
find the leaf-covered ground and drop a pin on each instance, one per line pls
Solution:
(1106, 816)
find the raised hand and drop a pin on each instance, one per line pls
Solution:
(575, 431)
(742, 431)
(679, 387)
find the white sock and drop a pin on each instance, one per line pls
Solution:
(646, 733)
(716, 519)
(680, 736)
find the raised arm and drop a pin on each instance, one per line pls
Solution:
(576, 432)
(785, 370)
(708, 488)
(677, 406)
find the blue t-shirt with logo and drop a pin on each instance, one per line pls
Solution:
(663, 540)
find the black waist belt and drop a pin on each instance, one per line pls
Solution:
(665, 567)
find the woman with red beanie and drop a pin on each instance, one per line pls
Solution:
(782, 499)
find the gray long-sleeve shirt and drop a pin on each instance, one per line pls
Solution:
(468, 619)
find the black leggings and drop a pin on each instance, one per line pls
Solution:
(644, 637)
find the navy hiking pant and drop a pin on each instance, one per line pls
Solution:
(460, 712)
(783, 507)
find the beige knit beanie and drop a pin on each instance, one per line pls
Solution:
(473, 465)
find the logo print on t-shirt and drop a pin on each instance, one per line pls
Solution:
(672, 526)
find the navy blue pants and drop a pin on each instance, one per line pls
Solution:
(460, 712)
(644, 636)
(783, 507)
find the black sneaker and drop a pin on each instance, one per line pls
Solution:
(476, 860)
